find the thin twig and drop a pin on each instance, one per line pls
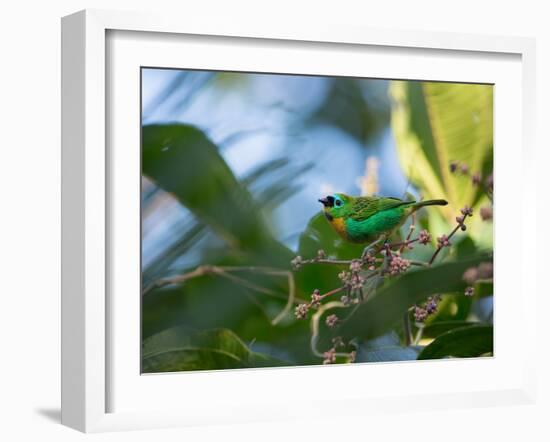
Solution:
(403, 243)
(291, 297)
(326, 261)
(411, 230)
(179, 279)
(419, 333)
(419, 263)
(440, 247)
(332, 292)
(315, 326)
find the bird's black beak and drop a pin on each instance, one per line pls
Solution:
(327, 202)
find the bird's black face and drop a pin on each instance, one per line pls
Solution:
(328, 201)
(335, 205)
(335, 201)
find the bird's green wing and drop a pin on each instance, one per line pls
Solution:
(366, 206)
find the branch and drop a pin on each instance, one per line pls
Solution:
(315, 326)
(411, 230)
(443, 241)
(323, 261)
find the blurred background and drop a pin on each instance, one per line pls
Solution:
(233, 165)
(312, 135)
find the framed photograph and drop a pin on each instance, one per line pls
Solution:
(264, 222)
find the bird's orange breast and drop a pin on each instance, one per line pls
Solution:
(339, 225)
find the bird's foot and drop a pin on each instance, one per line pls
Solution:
(371, 249)
(367, 252)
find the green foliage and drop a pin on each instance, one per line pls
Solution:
(462, 342)
(346, 108)
(183, 161)
(178, 349)
(435, 123)
(436, 328)
(204, 323)
(381, 312)
(318, 235)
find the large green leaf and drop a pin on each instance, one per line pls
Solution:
(435, 123)
(183, 161)
(437, 328)
(212, 301)
(270, 192)
(382, 311)
(178, 349)
(180, 159)
(463, 342)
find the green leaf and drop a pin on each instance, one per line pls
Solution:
(183, 161)
(320, 235)
(380, 312)
(464, 247)
(483, 289)
(178, 349)
(435, 123)
(437, 328)
(463, 342)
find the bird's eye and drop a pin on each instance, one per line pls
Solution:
(338, 203)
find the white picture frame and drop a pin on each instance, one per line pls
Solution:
(87, 210)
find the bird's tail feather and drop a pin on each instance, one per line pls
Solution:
(420, 204)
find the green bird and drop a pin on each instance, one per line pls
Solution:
(369, 219)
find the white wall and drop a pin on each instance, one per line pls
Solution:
(30, 220)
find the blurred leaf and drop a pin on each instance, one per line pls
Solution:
(435, 123)
(483, 289)
(435, 329)
(179, 93)
(176, 350)
(347, 108)
(187, 236)
(380, 312)
(465, 247)
(182, 160)
(276, 184)
(192, 303)
(320, 235)
(453, 307)
(167, 92)
(464, 342)
(184, 240)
